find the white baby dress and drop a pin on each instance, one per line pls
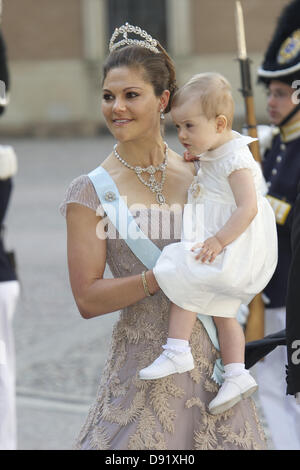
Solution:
(246, 265)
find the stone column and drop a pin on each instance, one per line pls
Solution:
(94, 29)
(179, 25)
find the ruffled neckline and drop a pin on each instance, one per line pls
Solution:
(234, 144)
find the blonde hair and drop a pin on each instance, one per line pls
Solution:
(214, 94)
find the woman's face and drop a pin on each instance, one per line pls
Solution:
(129, 105)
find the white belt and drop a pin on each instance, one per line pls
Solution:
(8, 162)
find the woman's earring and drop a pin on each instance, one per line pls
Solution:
(162, 116)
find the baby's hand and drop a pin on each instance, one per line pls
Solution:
(189, 157)
(210, 249)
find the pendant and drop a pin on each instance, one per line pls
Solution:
(152, 180)
(160, 198)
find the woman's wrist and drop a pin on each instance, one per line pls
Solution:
(149, 283)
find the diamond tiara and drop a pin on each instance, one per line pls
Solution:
(148, 42)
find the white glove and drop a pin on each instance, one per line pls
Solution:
(8, 162)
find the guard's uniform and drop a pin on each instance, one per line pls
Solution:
(281, 168)
(292, 307)
(9, 291)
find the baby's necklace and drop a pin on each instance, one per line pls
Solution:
(152, 184)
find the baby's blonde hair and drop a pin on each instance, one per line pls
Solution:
(214, 94)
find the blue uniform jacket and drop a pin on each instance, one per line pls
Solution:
(281, 168)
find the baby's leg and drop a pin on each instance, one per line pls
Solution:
(238, 383)
(181, 323)
(177, 356)
(231, 340)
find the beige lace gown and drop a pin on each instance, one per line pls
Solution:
(169, 413)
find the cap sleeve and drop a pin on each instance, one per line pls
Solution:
(81, 191)
(242, 158)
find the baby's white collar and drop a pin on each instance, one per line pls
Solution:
(220, 152)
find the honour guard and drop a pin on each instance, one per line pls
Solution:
(9, 286)
(280, 73)
(292, 308)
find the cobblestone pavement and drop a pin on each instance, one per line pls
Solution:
(59, 355)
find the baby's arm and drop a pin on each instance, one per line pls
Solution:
(242, 185)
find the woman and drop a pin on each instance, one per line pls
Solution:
(139, 80)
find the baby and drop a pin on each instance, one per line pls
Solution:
(232, 254)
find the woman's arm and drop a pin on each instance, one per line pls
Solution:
(242, 185)
(94, 295)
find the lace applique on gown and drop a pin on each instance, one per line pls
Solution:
(170, 413)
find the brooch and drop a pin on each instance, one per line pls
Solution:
(109, 196)
(196, 189)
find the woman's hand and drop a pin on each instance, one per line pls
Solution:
(210, 249)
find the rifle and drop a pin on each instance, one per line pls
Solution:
(255, 324)
(4, 84)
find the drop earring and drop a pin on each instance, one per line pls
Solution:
(162, 116)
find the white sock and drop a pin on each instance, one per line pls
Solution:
(234, 369)
(177, 345)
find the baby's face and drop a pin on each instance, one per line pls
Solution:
(196, 133)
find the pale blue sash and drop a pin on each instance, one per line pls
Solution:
(142, 247)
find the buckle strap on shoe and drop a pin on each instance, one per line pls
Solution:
(170, 355)
(233, 382)
(173, 357)
(240, 387)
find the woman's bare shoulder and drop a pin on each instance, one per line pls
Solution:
(109, 163)
(179, 162)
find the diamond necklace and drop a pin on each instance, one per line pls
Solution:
(152, 184)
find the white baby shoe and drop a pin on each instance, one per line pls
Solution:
(168, 363)
(232, 390)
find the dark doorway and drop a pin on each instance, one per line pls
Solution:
(148, 14)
